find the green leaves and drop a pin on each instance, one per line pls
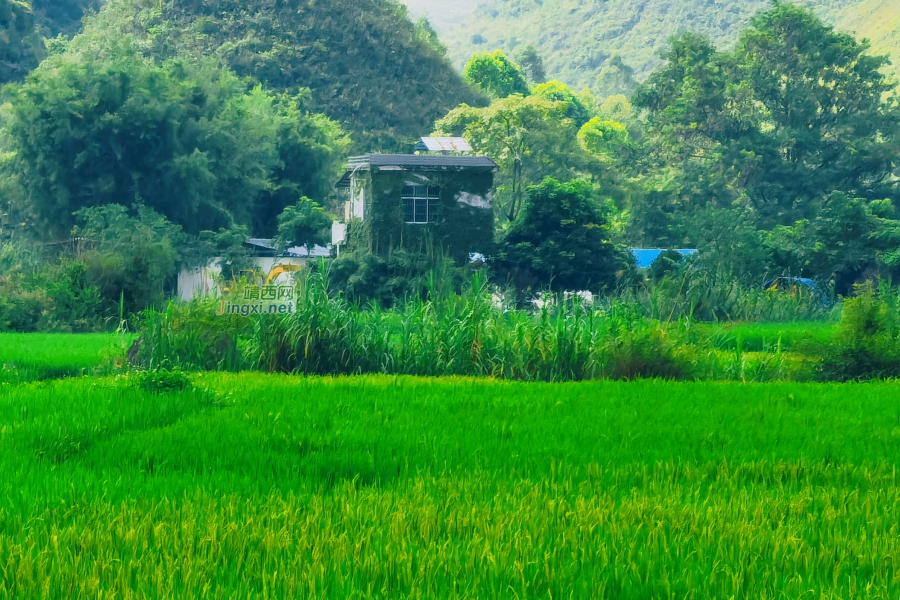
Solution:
(361, 62)
(797, 126)
(495, 74)
(529, 137)
(101, 123)
(561, 241)
(304, 224)
(602, 138)
(21, 48)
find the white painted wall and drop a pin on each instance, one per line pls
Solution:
(201, 282)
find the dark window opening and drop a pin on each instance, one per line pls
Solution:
(419, 202)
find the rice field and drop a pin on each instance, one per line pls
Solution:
(40, 356)
(275, 486)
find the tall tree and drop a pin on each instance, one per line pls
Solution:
(304, 223)
(557, 91)
(820, 110)
(21, 48)
(796, 112)
(532, 64)
(101, 124)
(529, 137)
(562, 241)
(495, 74)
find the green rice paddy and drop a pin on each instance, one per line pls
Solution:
(38, 356)
(274, 486)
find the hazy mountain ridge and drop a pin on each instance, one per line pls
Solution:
(577, 38)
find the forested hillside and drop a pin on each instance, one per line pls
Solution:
(578, 39)
(63, 16)
(20, 46)
(879, 22)
(443, 15)
(363, 61)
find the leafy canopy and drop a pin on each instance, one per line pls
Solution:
(304, 223)
(529, 137)
(133, 256)
(532, 64)
(561, 241)
(795, 132)
(364, 63)
(63, 16)
(21, 48)
(101, 123)
(556, 91)
(495, 74)
(794, 113)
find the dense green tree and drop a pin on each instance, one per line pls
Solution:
(63, 16)
(426, 33)
(562, 241)
(21, 48)
(229, 245)
(303, 224)
(615, 78)
(529, 137)
(843, 242)
(556, 91)
(129, 255)
(101, 124)
(495, 74)
(796, 112)
(365, 64)
(532, 64)
(603, 138)
(819, 98)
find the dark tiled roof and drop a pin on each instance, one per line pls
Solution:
(418, 160)
(413, 161)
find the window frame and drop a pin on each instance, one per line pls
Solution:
(419, 198)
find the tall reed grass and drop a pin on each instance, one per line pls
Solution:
(470, 334)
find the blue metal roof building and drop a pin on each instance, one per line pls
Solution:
(645, 256)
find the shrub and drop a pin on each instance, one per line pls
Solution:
(866, 344)
(162, 381)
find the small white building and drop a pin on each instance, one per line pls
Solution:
(202, 281)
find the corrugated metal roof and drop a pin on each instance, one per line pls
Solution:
(645, 256)
(266, 247)
(314, 252)
(443, 144)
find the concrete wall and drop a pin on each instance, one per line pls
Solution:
(202, 281)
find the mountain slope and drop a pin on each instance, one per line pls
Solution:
(21, 47)
(63, 16)
(362, 60)
(577, 38)
(879, 22)
(443, 15)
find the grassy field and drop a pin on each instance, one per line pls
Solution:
(268, 486)
(38, 356)
(763, 337)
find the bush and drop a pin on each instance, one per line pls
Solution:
(866, 344)
(385, 281)
(162, 381)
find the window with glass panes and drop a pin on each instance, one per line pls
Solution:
(419, 202)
